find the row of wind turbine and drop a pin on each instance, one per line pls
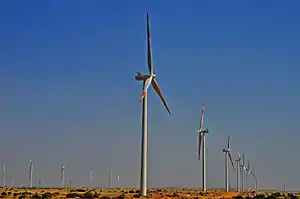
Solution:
(62, 174)
(150, 79)
(240, 167)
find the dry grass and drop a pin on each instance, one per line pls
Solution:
(118, 193)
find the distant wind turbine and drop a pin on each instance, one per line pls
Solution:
(91, 177)
(238, 159)
(201, 138)
(147, 80)
(118, 178)
(254, 176)
(4, 175)
(30, 169)
(227, 154)
(247, 174)
(62, 175)
(243, 169)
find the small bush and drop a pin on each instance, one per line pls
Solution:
(277, 194)
(36, 196)
(259, 196)
(238, 197)
(47, 195)
(3, 193)
(80, 190)
(73, 195)
(105, 197)
(122, 196)
(87, 195)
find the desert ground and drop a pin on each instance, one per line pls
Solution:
(134, 193)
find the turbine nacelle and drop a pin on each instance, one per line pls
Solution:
(202, 131)
(142, 77)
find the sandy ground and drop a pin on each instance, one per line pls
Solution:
(117, 193)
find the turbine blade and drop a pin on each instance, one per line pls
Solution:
(202, 118)
(243, 158)
(156, 88)
(30, 165)
(199, 144)
(228, 145)
(249, 170)
(149, 51)
(146, 86)
(229, 154)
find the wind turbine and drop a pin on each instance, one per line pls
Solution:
(4, 175)
(243, 169)
(118, 180)
(91, 177)
(62, 176)
(30, 169)
(147, 80)
(227, 154)
(254, 176)
(201, 138)
(247, 174)
(238, 159)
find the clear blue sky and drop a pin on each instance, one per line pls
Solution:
(67, 94)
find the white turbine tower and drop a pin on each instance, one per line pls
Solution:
(30, 169)
(62, 176)
(4, 175)
(201, 139)
(227, 154)
(238, 159)
(147, 80)
(243, 169)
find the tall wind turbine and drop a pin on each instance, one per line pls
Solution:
(227, 154)
(238, 159)
(62, 176)
(30, 169)
(4, 175)
(201, 138)
(243, 169)
(147, 80)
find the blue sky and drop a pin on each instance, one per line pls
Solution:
(67, 93)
